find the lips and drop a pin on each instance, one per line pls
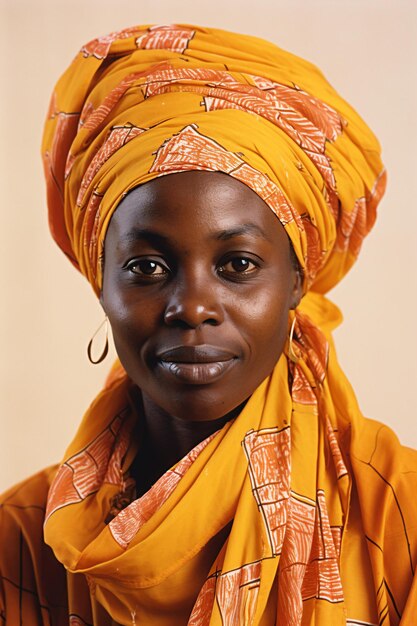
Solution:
(196, 354)
(196, 365)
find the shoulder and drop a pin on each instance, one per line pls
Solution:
(28, 567)
(34, 488)
(386, 471)
(385, 475)
(376, 446)
(22, 508)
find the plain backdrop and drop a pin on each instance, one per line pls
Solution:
(366, 48)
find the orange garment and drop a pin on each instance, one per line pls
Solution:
(300, 511)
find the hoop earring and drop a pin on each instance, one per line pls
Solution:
(291, 353)
(106, 345)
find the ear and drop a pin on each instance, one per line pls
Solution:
(297, 289)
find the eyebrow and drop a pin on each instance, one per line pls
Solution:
(243, 229)
(136, 234)
(158, 239)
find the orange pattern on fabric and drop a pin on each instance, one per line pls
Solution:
(236, 594)
(191, 150)
(156, 37)
(166, 38)
(290, 109)
(56, 159)
(338, 460)
(268, 454)
(83, 473)
(87, 110)
(296, 554)
(116, 138)
(322, 578)
(128, 522)
(202, 609)
(315, 254)
(100, 47)
(307, 121)
(163, 80)
(92, 224)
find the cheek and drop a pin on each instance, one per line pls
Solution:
(129, 317)
(131, 327)
(117, 310)
(265, 320)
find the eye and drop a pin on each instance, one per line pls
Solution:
(147, 267)
(238, 266)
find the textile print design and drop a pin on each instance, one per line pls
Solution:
(297, 527)
(128, 522)
(157, 37)
(235, 593)
(268, 454)
(311, 551)
(83, 473)
(310, 557)
(307, 121)
(190, 150)
(117, 137)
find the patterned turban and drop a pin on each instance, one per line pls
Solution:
(149, 101)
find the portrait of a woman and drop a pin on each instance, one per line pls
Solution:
(212, 188)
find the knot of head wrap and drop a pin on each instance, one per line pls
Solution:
(150, 101)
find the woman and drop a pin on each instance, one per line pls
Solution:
(212, 188)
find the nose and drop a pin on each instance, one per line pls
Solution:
(192, 303)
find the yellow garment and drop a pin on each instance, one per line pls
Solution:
(300, 511)
(379, 534)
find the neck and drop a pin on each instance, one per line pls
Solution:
(165, 439)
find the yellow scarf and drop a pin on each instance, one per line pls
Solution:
(276, 474)
(260, 524)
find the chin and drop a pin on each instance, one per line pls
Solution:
(196, 405)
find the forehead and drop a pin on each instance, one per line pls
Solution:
(196, 204)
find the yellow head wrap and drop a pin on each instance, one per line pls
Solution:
(146, 102)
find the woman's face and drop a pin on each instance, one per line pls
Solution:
(198, 281)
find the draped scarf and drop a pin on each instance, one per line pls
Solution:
(251, 527)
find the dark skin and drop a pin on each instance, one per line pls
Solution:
(198, 283)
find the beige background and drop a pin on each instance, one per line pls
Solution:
(368, 51)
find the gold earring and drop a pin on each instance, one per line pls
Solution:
(106, 345)
(291, 353)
